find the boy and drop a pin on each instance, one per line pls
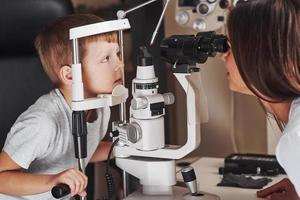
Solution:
(39, 151)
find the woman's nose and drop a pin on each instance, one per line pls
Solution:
(223, 56)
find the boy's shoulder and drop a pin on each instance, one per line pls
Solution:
(35, 132)
(49, 107)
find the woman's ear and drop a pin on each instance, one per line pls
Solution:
(65, 75)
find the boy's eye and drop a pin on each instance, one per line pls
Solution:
(106, 59)
(119, 54)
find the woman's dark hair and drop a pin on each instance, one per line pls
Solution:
(265, 41)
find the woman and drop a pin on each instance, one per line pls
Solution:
(264, 60)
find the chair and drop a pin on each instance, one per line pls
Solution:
(22, 79)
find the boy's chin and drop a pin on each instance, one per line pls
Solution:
(98, 93)
(108, 90)
(116, 84)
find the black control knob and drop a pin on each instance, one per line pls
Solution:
(203, 8)
(134, 132)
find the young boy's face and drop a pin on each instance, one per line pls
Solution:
(102, 69)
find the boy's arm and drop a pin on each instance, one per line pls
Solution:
(101, 152)
(15, 182)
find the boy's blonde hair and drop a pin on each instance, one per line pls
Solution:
(55, 47)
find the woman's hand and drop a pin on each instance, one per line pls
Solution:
(283, 190)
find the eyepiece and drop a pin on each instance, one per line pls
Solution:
(220, 43)
(189, 49)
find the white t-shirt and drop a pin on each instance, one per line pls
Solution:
(288, 147)
(41, 140)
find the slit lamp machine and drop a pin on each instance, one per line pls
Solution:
(140, 148)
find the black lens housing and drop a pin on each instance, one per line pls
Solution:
(190, 49)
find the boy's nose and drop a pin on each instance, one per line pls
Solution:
(119, 66)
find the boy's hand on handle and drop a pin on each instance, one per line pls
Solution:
(283, 190)
(75, 179)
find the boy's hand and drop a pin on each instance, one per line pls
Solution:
(75, 179)
(283, 190)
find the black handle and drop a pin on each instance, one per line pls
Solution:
(60, 190)
(79, 131)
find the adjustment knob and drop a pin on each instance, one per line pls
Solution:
(134, 132)
(189, 177)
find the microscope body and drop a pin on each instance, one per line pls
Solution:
(141, 150)
(145, 130)
(154, 162)
(147, 110)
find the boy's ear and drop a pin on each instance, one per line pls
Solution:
(65, 74)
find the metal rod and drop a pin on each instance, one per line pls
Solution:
(159, 22)
(81, 161)
(125, 192)
(75, 51)
(139, 6)
(122, 107)
(81, 164)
